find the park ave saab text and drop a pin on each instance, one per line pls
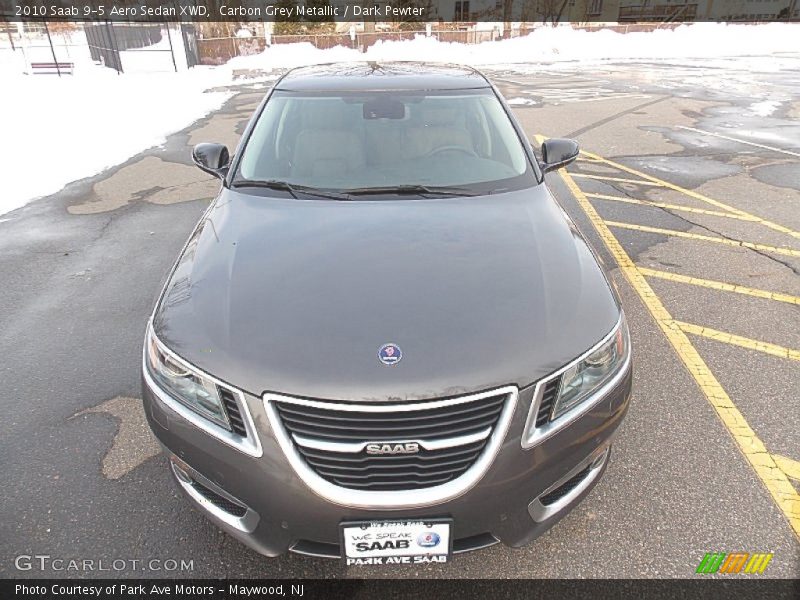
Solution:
(59, 589)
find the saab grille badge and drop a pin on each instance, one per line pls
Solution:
(390, 354)
(390, 448)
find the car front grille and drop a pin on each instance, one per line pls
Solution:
(426, 469)
(332, 438)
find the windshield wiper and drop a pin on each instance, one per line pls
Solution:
(285, 186)
(412, 189)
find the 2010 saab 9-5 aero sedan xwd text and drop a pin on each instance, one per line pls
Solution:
(385, 341)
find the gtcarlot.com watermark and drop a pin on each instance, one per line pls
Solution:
(56, 564)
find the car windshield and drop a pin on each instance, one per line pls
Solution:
(377, 142)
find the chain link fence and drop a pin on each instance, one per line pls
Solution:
(134, 46)
(60, 47)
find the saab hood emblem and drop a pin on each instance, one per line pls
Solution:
(390, 354)
(393, 448)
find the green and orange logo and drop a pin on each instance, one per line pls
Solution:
(735, 562)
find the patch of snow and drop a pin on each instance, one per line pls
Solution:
(765, 108)
(522, 102)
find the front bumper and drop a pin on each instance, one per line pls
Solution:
(261, 501)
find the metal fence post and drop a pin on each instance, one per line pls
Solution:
(52, 50)
(171, 49)
(112, 36)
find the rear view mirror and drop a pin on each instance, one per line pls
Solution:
(557, 153)
(384, 109)
(212, 158)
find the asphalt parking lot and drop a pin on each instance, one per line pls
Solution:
(688, 188)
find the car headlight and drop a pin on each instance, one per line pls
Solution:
(185, 384)
(586, 375)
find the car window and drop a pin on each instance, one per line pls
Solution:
(345, 141)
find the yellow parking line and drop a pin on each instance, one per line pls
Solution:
(719, 285)
(617, 179)
(678, 207)
(693, 194)
(788, 466)
(737, 340)
(774, 479)
(706, 238)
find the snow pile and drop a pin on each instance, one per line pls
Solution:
(553, 45)
(60, 130)
(289, 56)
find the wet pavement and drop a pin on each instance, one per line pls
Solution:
(679, 154)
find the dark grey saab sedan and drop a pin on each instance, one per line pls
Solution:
(385, 341)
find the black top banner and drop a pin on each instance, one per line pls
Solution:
(401, 11)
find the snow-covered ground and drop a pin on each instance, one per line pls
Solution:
(59, 130)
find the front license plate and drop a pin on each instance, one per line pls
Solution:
(396, 542)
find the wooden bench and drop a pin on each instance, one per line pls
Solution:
(52, 67)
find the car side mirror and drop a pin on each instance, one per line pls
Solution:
(212, 158)
(557, 153)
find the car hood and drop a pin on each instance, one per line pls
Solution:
(297, 296)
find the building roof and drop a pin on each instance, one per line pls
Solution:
(372, 76)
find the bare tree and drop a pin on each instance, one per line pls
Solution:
(551, 11)
(508, 6)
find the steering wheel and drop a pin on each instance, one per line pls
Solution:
(461, 149)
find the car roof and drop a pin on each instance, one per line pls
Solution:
(380, 76)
